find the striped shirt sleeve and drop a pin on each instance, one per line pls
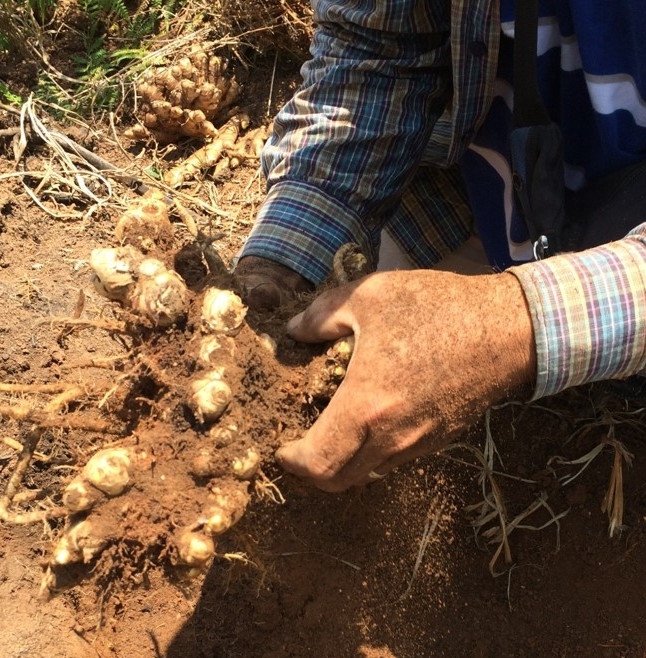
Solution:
(351, 138)
(588, 311)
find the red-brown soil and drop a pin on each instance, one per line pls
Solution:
(325, 575)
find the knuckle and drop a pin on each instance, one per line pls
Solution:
(321, 469)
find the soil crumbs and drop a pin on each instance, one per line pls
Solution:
(391, 570)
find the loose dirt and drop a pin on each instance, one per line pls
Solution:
(393, 569)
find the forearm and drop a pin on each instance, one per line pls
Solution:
(588, 312)
(346, 144)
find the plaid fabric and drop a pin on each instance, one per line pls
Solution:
(352, 139)
(393, 95)
(589, 313)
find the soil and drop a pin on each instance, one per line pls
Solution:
(394, 569)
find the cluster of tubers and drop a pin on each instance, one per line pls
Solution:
(325, 383)
(183, 99)
(134, 274)
(188, 99)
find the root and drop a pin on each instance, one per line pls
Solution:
(16, 445)
(33, 388)
(432, 520)
(184, 99)
(266, 488)
(108, 362)
(44, 420)
(208, 155)
(108, 325)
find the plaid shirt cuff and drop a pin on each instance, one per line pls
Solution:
(589, 313)
(301, 227)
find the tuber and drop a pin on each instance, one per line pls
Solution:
(209, 396)
(222, 312)
(226, 510)
(114, 271)
(162, 298)
(80, 495)
(183, 99)
(108, 470)
(213, 347)
(145, 223)
(80, 543)
(195, 548)
(245, 467)
(208, 155)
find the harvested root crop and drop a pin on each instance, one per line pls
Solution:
(186, 407)
(80, 495)
(210, 395)
(143, 285)
(225, 510)
(183, 99)
(145, 224)
(325, 383)
(81, 543)
(195, 548)
(222, 312)
(161, 298)
(222, 144)
(246, 467)
(115, 271)
(214, 349)
(108, 471)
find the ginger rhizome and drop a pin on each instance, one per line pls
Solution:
(183, 99)
(195, 98)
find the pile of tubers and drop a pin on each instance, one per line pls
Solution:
(134, 274)
(188, 99)
(182, 100)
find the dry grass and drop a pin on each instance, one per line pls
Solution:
(272, 25)
(491, 521)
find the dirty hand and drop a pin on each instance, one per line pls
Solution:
(265, 284)
(432, 351)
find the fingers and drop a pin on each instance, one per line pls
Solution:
(327, 447)
(386, 467)
(328, 317)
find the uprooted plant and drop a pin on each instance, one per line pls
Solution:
(177, 446)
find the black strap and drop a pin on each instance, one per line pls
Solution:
(528, 105)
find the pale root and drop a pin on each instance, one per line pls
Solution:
(195, 548)
(108, 470)
(80, 495)
(115, 271)
(205, 463)
(81, 543)
(213, 347)
(145, 223)
(222, 312)
(217, 520)
(209, 397)
(234, 502)
(223, 435)
(247, 466)
(150, 268)
(163, 298)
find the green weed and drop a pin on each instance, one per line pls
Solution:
(113, 38)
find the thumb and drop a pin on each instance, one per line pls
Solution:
(328, 446)
(328, 317)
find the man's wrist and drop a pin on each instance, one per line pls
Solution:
(513, 333)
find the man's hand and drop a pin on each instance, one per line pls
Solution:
(266, 284)
(433, 351)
